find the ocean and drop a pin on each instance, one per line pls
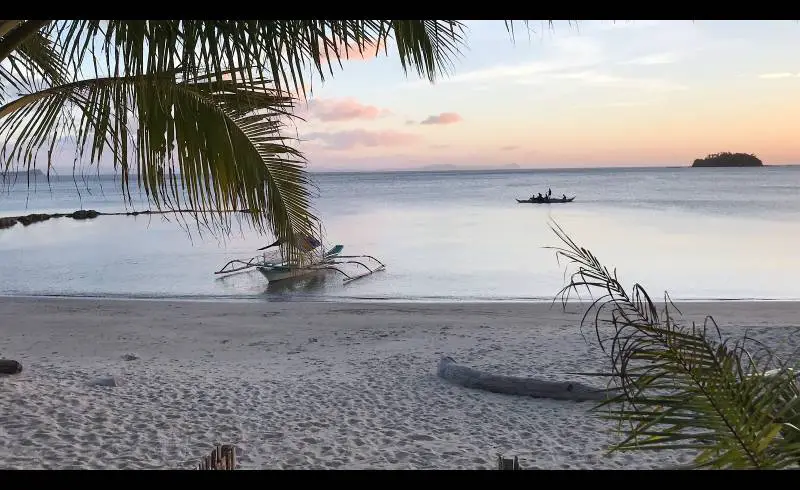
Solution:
(698, 234)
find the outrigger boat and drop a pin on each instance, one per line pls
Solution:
(278, 269)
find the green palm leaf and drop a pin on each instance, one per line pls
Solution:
(197, 144)
(190, 98)
(683, 387)
(31, 60)
(290, 50)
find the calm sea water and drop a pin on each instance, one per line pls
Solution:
(697, 233)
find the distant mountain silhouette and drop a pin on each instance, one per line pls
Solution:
(444, 167)
(21, 174)
(728, 159)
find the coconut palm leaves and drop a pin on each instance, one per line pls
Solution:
(287, 51)
(683, 387)
(28, 60)
(222, 138)
(199, 106)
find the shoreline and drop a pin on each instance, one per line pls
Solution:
(312, 385)
(299, 298)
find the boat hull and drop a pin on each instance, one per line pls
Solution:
(545, 201)
(274, 274)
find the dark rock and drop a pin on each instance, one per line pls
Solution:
(130, 357)
(7, 222)
(33, 218)
(8, 366)
(85, 214)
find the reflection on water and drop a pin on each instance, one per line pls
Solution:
(697, 233)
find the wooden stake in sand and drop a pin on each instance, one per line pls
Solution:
(507, 463)
(223, 457)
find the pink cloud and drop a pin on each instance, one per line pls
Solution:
(352, 53)
(346, 140)
(348, 109)
(509, 148)
(443, 118)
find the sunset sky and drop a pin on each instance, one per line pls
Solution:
(641, 93)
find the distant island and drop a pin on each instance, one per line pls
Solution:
(448, 167)
(728, 159)
(21, 173)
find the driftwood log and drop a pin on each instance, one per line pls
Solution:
(7, 366)
(511, 385)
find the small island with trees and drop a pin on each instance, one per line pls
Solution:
(728, 159)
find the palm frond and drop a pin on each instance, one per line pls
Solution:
(195, 91)
(15, 33)
(684, 387)
(31, 61)
(291, 50)
(214, 146)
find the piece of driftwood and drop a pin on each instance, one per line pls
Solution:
(8, 366)
(511, 385)
(223, 457)
(507, 463)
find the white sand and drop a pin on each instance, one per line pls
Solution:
(306, 385)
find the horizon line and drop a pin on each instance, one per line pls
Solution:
(456, 169)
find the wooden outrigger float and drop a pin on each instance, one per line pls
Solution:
(277, 269)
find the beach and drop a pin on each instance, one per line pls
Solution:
(309, 385)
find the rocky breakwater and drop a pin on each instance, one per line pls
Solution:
(37, 217)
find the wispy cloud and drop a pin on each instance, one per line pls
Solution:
(569, 53)
(443, 118)
(779, 75)
(509, 148)
(654, 59)
(628, 103)
(608, 25)
(346, 140)
(596, 78)
(348, 109)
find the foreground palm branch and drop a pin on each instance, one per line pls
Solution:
(200, 106)
(288, 50)
(683, 387)
(196, 144)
